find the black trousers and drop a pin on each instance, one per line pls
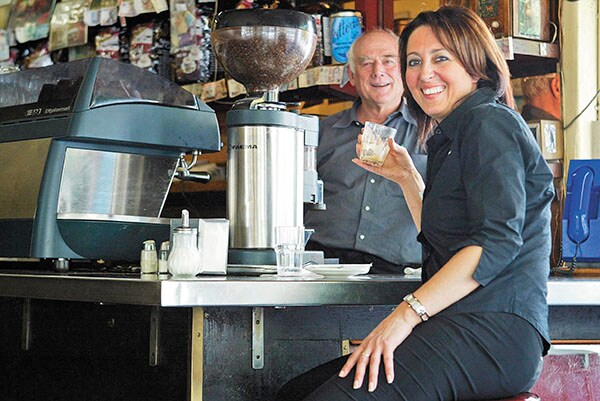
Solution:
(460, 357)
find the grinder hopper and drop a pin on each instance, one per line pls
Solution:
(264, 49)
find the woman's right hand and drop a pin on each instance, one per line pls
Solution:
(397, 167)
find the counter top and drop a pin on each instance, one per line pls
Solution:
(248, 291)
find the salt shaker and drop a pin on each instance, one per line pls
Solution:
(184, 259)
(163, 256)
(148, 258)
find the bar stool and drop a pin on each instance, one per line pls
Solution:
(521, 397)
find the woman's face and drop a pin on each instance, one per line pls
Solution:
(436, 79)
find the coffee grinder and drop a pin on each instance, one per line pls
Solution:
(271, 152)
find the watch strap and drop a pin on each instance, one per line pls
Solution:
(416, 306)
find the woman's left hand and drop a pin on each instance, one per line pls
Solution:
(380, 345)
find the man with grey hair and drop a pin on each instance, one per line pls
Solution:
(367, 219)
(542, 97)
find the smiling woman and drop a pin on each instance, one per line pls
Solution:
(477, 326)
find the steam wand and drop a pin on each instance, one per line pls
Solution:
(183, 170)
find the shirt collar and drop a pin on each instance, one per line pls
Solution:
(450, 124)
(350, 118)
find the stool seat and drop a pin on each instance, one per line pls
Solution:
(521, 397)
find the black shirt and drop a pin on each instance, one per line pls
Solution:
(488, 185)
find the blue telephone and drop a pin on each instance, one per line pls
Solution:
(581, 228)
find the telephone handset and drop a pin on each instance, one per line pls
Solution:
(578, 228)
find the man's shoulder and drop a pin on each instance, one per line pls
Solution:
(341, 118)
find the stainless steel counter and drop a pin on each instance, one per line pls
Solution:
(249, 291)
(249, 327)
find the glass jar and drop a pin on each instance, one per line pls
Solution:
(184, 257)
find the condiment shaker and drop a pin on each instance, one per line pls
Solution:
(148, 257)
(163, 256)
(184, 259)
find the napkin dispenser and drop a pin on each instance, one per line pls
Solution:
(213, 243)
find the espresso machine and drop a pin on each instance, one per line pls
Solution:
(88, 152)
(271, 160)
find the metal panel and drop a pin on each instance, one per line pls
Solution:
(111, 183)
(264, 183)
(21, 170)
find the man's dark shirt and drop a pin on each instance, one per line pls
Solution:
(532, 113)
(488, 185)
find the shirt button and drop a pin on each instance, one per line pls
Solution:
(372, 180)
(361, 236)
(367, 208)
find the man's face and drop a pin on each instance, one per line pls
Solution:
(376, 75)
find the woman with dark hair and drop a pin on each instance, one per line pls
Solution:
(477, 326)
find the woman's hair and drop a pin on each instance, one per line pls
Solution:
(464, 34)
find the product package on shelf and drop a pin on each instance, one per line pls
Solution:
(324, 75)
(67, 28)
(346, 27)
(107, 43)
(321, 12)
(190, 41)
(132, 8)
(5, 6)
(30, 20)
(5, 37)
(318, 56)
(36, 57)
(149, 47)
(81, 52)
(4, 45)
(101, 12)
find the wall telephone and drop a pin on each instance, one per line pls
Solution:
(581, 228)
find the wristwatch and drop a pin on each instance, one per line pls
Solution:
(417, 306)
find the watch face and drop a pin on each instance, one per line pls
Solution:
(416, 306)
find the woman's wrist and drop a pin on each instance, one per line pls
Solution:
(412, 180)
(416, 306)
(408, 315)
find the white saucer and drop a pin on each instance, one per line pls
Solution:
(304, 275)
(330, 270)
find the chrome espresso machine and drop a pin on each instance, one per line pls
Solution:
(88, 151)
(271, 161)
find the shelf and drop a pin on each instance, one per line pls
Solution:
(512, 48)
(188, 186)
(230, 89)
(219, 157)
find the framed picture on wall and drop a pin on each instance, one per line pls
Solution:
(527, 19)
(531, 19)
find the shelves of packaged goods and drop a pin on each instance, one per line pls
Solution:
(325, 76)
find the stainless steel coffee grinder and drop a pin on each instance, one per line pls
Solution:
(271, 161)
